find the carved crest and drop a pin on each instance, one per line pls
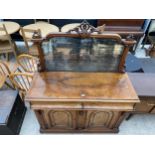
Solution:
(85, 29)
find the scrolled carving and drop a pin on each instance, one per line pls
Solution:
(36, 35)
(85, 29)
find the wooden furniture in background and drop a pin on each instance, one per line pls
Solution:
(2, 80)
(29, 33)
(151, 37)
(11, 27)
(22, 82)
(81, 102)
(124, 27)
(32, 49)
(44, 27)
(28, 63)
(12, 112)
(144, 84)
(68, 27)
(5, 73)
(6, 44)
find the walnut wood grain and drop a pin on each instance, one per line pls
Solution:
(81, 102)
(69, 86)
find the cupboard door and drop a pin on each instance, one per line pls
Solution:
(58, 120)
(102, 120)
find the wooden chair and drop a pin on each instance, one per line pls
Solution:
(22, 82)
(32, 49)
(6, 44)
(5, 71)
(28, 63)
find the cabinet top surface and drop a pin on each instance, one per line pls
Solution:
(75, 86)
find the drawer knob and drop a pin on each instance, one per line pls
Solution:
(83, 95)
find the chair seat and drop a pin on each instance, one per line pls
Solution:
(5, 46)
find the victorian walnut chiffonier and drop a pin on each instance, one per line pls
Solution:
(81, 86)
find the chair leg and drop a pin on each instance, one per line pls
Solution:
(15, 55)
(8, 85)
(14, 50)
(129, 116)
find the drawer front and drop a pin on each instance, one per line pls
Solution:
(145, 106)
(83, 105)
(109, 106)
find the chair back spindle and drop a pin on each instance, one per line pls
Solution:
(28, 63)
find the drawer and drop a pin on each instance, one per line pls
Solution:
(109, 106)
(153, 111)
(143, 107)
(83, 106)
(146, 105)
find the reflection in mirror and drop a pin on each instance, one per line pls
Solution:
(82, 54)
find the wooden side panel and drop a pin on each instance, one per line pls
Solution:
(121, 22)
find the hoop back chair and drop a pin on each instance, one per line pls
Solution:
(6, 44)
(32, 49)
(5, 71)
(22, 82)
(28, 63)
